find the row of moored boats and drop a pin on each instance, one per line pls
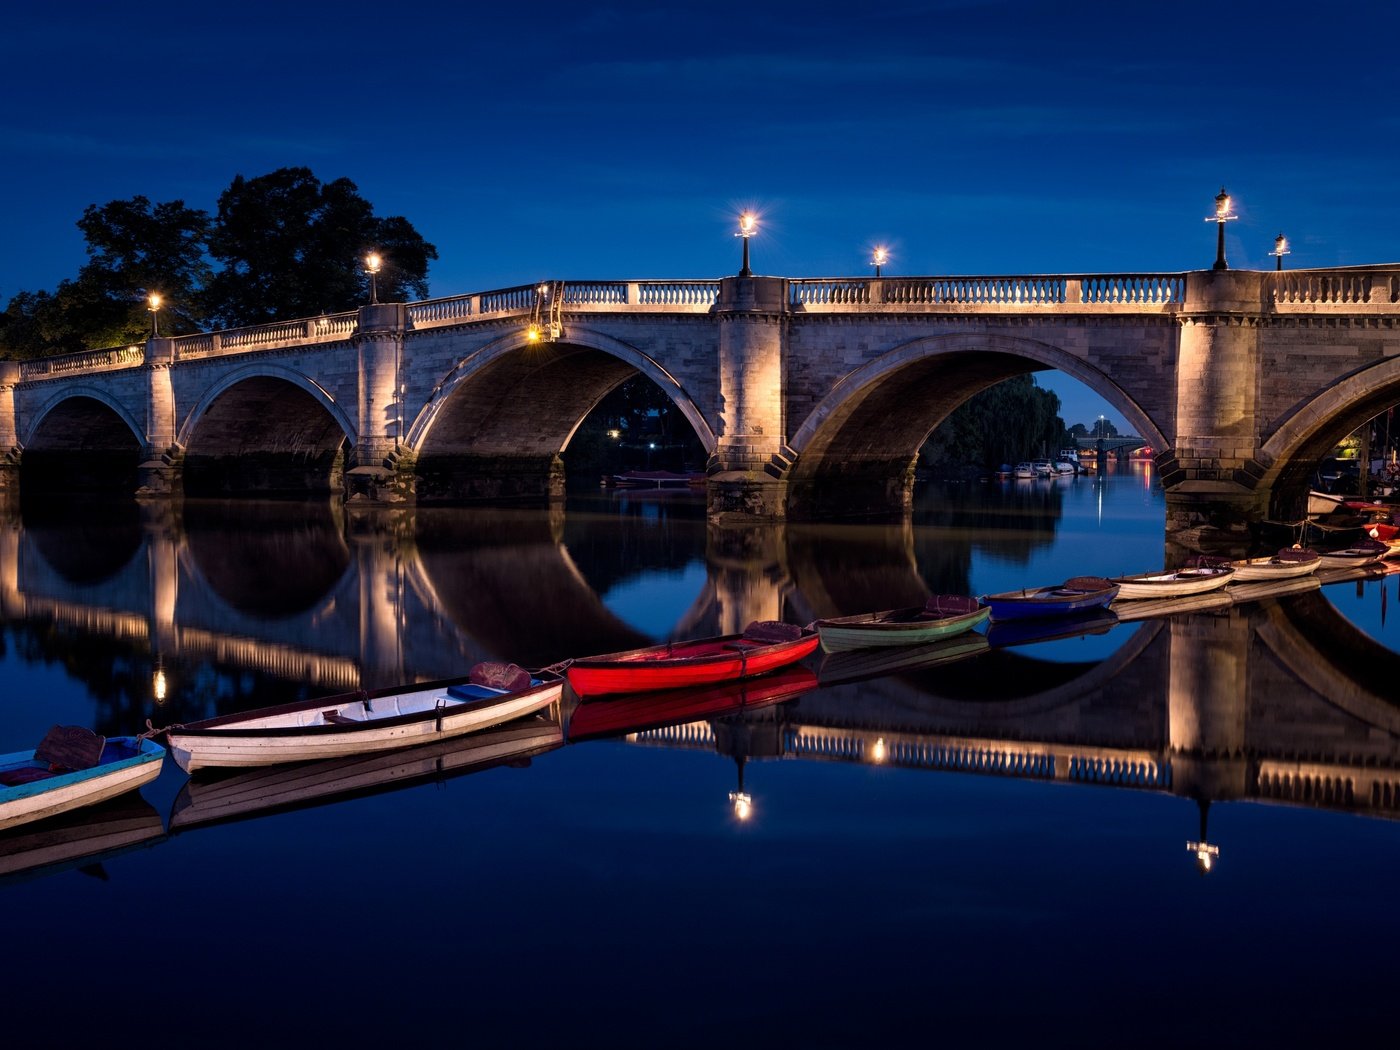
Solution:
(73, 767)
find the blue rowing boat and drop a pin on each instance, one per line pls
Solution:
(73, 767)
(1075, 595)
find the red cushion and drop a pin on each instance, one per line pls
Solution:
(770, 632)
(496, 675)
(24, 775)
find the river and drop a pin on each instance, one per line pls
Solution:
(991, 847)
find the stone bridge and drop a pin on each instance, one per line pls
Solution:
(811, 397)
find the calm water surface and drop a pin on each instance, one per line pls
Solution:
(985, 848)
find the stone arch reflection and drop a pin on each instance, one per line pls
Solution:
(267, 560)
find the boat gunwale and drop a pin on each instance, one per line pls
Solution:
(872, 621)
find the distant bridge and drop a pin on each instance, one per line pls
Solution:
(811, 397)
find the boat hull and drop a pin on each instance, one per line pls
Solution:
(294, 734)
(1045, 602)
(680, 666)
(57, 794)
(892, 627)
(1172, 584)
(1272, 569)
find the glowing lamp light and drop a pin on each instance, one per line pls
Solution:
(1222, 215)
(159, 686)
(153, 302)
(879, 257)
(748, 226)
(373, 264)
(614, 433)
(879, 751)
(742, 802)
(1280, 249)
(533, 333)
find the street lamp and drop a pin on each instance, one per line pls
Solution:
(153, 304)
(748, 226)
(373, 264)
(879, 257)
(1220, 218)
(1098, 427)
(1280, 249)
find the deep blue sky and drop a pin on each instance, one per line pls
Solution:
(618, 140)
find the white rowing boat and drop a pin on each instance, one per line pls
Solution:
(359, 723)
(1169, 584)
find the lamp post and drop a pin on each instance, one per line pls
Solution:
(748, 226)
(153, 304)
(373, 264)
(1280, 249)
(879, 257)
(1220, 218)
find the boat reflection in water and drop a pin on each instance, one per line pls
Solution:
(82, 839)
(214, 798)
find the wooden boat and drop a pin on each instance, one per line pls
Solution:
(1286, 564)
(1029, 631)
(1367, 552)
(619, 715)
(1173, 583)
(73, 767)
(358, 723)
(1320, 503)
(942, 616)
(220, 796)
(859, 665)
(1075, 595)
(764, 646)
(657, 479)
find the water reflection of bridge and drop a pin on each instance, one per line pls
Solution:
(1281, 700)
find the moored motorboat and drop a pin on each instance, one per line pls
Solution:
(763, 646)
(358, 723)
(1073, 596)
(1024, 470)
(942, 616)
(1286, 564)
(73, 767)
(1177, 583)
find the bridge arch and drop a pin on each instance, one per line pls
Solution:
(867, 430)
(265, 429)
(84, 439)
(497, 422)
(1311, 429)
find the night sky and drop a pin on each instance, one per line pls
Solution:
(611, 141)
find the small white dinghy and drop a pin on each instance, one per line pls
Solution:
(1366, 552)
(359, 723)
(1169, 584)
(1285, 565)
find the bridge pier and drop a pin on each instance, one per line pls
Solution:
(1211, 476)
(9, 436)
(747, 467)
(381, 470)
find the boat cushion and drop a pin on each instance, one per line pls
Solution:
(496, 675)
(24, 775)
(1086, 583)
(70, 747)
(770, 632)
(951, 605)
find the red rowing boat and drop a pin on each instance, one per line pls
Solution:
(763, 647)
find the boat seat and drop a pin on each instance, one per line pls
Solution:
(70, 747)
(24, 775)
(334, 717)
(770, 632)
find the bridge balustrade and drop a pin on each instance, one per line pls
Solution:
(1339, 288)
(83, 361)
(677, 293)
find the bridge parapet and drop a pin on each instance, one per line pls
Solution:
(1040, 291)
(1309, 289)
(103, 360)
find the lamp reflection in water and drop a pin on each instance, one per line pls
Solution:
(879, 751)
(159, 685)
(741, 800)
(1206, 853)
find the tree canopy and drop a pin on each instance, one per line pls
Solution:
(286, 244)
(1012, 421)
